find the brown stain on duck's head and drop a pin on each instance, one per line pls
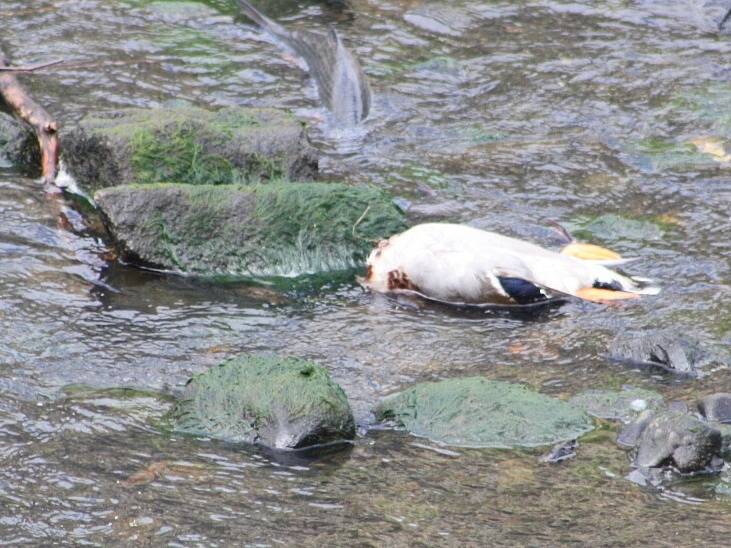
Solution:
(399, 280)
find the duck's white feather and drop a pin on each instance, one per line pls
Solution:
(458, 263)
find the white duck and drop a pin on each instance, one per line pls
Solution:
(464, 265)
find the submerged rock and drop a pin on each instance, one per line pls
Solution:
(276, 229)
(725, 430)
(561, 452)
(631, 432)
(678, 440)
(657, 349)
(188, 145)
(716, 407)
(18, 144)
(621, 405)
(476, 412)
(612, 228)
(281, 403)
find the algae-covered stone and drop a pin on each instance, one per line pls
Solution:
(477, 412)
(18, 144)
(612, 228)
(282, 403)
(282, 229)
(621, 405)
(188, 145)
(659, 154)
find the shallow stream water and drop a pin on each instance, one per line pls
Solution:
(605, 116)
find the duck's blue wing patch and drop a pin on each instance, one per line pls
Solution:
(522, 291)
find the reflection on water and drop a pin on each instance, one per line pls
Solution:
(506, 115)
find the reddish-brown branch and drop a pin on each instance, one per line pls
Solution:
(33, 114)
(30, 68)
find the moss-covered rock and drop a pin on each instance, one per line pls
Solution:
(615, 228)
(276, 229)
(18, 144)
(282, 403)
(188, 145)
(476, 412)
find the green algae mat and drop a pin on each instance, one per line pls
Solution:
(477, 412)
(283, 403)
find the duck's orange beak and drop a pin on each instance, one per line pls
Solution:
(604, 296)
(590, 252)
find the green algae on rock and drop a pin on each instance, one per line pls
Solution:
(617, 404)
(477, 412)
(614, 228)
(282, 403)
(256, 231)
(188, 145)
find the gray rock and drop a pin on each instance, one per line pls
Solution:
(679, 406)
(561, 452)
(18, 144)
(622, 405)
(187, 145)
(280, 403)
(678, 440)
(631, 432)
(656, 349)
(716, 407)
(725, 430)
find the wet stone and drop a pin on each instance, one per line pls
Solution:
(18, 145)
(725, 430)
(655, 349)
(631, 432)
(678, 440)
(280, 403)
(621, 405)
(561, 452)
(716, 407)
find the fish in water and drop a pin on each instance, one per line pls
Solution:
(341, 83)
(459, 264)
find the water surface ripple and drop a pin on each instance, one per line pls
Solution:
(506, 115)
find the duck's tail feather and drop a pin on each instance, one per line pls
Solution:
(262, 20)
(341, 82)
(645, 286)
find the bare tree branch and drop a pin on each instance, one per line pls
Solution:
(34, 115)
(30, 68)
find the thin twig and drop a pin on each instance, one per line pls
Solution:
(14, 96)
(31, 68)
